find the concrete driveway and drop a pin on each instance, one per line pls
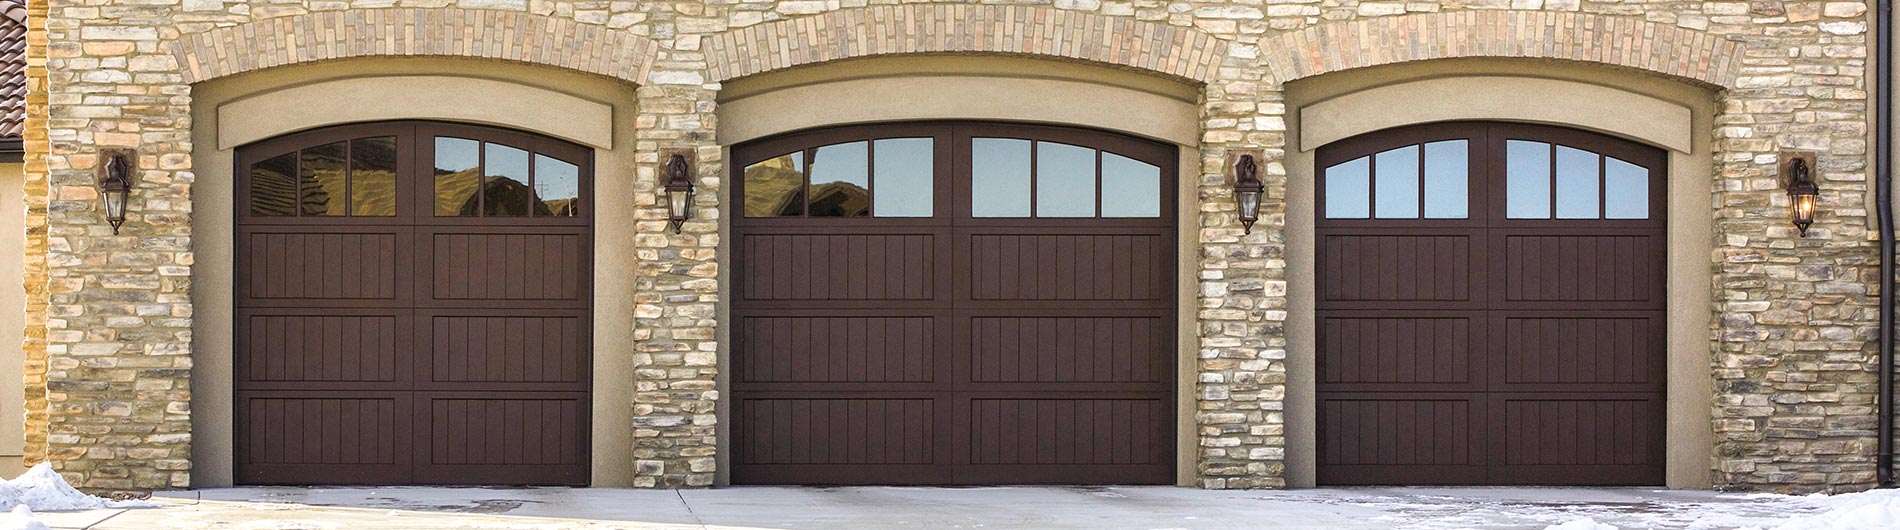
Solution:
(883, 507)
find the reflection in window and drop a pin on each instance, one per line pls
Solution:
(906, 169)
(505, 190)
(840, 181)
(1526, 180)
(557, 187)
(324, 175)
(1627, 190)
(274, 186)
(373, 176)
(1065, 180)
(1348, 189)
(776, 187)
(1448, 179)
(458, 164)
(999, 177)
(1130, 188)
(1395, 183)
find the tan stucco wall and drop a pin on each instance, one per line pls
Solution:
(523, 105)
(12, 320)
(994, 89)
(415, 97)
(1492, 89)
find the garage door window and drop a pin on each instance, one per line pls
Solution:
(1433, 178)
(1544, 177)
(1064, 179)
(344, 178)
(889, 177)
(485, 179)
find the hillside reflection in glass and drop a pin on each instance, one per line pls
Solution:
(882, 178)
(512, 182)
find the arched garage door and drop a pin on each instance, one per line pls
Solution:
(953, 303)
(1490, 307)
(413, 305)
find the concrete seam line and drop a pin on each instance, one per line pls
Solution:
(689, 509)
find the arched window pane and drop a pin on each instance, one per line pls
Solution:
(1448, 180)
(1626, 190)
(458, 165)
(776, 187)
(505, 189)
(324, 183)
(273, 186)
(1577, 183)
(1396, 182)
(1065, 180)
(557, 187)
(373, 176)
(999, 177)
(1348, 189)
(904, 172)
(1527, 179)
(1130, 188)
(840, 181)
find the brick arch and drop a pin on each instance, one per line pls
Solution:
(937, 28)
(415, 32)
(1619, 41)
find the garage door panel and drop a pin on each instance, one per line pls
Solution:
(1583, 437)
(1388, 268)
(505, 267)
(1550, 269)
(1064, 352)
(898, 350)
(1427, 434)
(332, 266)
(507, 438)
(291, 437)
(872, 429)
(289, 349)
(1598, 351)
(1069, 265)
(1073, 430)
(1402, 350)
(516, 349)
(798, 266)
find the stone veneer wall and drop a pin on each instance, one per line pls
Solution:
(1792, 353)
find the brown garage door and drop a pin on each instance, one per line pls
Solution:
(1490, 307)
(413, 304)
(953, 303)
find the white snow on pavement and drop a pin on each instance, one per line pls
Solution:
(42, 489)
(1867, 510)
(21, 518)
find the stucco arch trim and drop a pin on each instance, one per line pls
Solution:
(921, 29)
(1558, 102)
(1620, 41)
(425, 97)
(442, 32)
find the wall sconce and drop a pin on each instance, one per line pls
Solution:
(1247, 189)
(115, 186)
(1802, 191)
(679, 187)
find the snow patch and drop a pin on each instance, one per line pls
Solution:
(1867, 510)
(21, 518)
(1581, 524)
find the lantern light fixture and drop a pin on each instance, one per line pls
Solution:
(679, 191)
(115, 188)
(1247, 190)
(1802, 192)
